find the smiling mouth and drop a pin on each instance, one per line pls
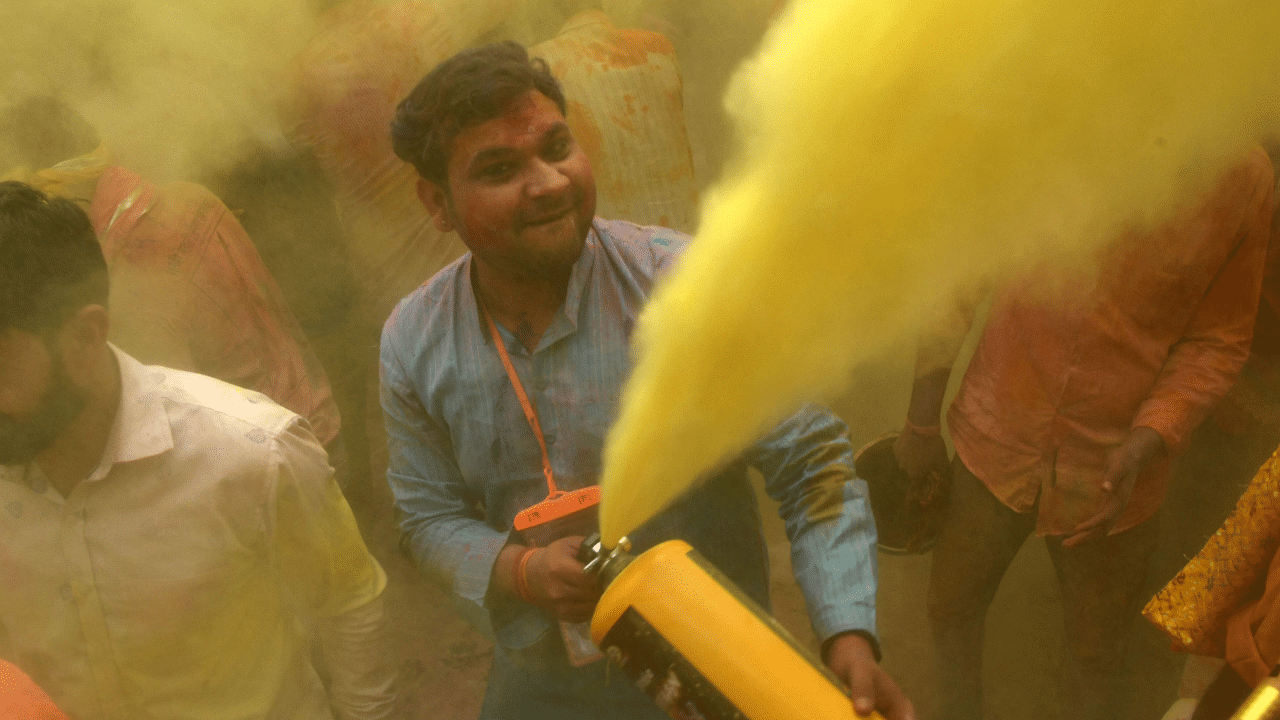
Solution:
(550, 218)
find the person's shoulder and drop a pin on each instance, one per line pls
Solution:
(217, 412)
(652, 248)
(431, 307)
(187, 195)
(229, 443)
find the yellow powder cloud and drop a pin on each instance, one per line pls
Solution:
(895, 149)
(176, 88)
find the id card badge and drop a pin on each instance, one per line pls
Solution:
(582, 650)
(563, 514)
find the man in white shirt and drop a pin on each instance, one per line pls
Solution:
(165, 538)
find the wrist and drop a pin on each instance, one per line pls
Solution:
(522, 590)
(1149, 440)
(504, 568)
(934, 430)
(858, 641)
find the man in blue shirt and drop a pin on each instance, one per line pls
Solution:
(498, 164)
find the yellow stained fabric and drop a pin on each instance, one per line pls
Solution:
(66, 174)
(1194, 607)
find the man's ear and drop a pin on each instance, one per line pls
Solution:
(83, 339)
(435, 200)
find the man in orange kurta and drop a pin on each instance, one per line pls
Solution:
(1079, 392)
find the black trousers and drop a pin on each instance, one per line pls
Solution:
(1101, 584)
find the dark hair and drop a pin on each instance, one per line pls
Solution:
(50, 262)
(469, 88)
(43, 131)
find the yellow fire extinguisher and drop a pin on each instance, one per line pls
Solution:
(1264, 702)
(698, 645)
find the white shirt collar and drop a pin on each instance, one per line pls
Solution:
(141, 425)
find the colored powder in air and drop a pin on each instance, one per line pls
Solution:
(895, 149)
(176, 89)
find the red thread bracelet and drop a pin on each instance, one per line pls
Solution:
(925, 430)
(522, 579)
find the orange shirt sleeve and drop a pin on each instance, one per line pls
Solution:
(1206, 361)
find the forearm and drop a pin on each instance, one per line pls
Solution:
(505, 568)
(808, 466)
(831, 645)
(360, 664)
(927, 394)
(943, 332)
(1204, 364)
(834, 562)
(1196, 376)
(458, 551)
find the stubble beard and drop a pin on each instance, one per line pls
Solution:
(555, 262)
(535, 262)
(24, 437)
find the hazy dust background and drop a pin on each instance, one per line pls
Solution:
(175, 88)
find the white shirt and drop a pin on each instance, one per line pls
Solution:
(170, 583)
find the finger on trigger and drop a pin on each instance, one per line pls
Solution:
(893, 701)
(862, 689)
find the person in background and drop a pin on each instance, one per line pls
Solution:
(345, 83)
(559, 290)
(1211, 476)
(626, 88)
(189, 290)
(172, 535)
(623, 90)
(1076, 398)
(281, 199)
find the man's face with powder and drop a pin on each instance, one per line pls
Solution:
(38, 399)
(520, 191)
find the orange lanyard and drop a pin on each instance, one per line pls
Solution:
(529, 413)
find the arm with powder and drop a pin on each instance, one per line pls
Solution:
(327, 569)
(919, 447)
(442, 527)
(807, 463)
(1205, 362)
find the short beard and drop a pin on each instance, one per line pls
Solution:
(548, 266)
(24, 437)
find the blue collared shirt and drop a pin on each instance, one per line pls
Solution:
(464, 461)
